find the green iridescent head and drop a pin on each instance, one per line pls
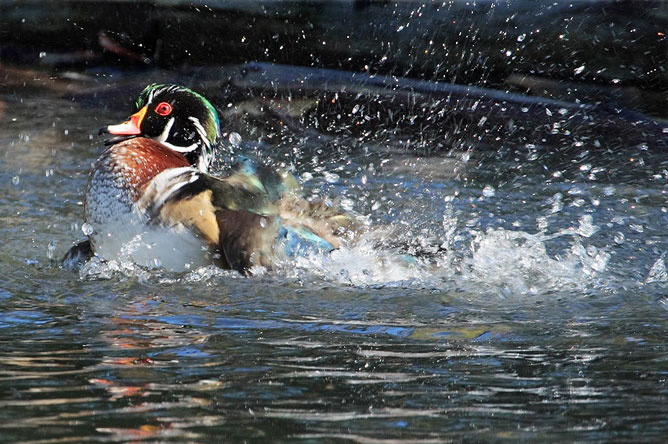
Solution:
(179, 118)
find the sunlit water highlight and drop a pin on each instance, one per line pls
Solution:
(501, 297)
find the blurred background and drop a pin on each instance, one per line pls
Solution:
(594, 50)
(608, 52)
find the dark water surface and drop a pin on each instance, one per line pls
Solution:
(535, 309)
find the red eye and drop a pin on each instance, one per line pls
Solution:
(163, 109)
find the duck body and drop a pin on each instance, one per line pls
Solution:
(126, 184)
(150, 198)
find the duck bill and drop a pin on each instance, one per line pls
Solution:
(130, 127)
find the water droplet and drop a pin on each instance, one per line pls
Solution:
(579, 70)
(235, 139)
(542, 223)
(331, 177)
(87, 229)
(587, 227)
(520, 38)
(263, 222)
(16, 180)
(619, 237)
(637, 228)
(509, 53)
(663, 302)
(488, 191)
(50, 249)
(355, 109)
(658, 272)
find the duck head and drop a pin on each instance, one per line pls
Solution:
(179, 118)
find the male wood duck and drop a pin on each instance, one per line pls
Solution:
(150, 197)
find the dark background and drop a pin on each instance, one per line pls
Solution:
(611, 51)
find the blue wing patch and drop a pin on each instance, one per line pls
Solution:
(301, 241)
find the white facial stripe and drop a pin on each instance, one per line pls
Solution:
(204, 161)
(200, 129)
(181, 149)
(165, 132)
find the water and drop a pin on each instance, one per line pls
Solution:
(507, 295)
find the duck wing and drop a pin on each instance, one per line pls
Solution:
(253, 216)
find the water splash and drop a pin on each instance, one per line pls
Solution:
(516, 262)
(658, 272)
(363, 264)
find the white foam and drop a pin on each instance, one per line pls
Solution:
(518, 263)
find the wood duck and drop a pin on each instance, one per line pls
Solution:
(150, 197)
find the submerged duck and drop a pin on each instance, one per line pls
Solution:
(150, 196)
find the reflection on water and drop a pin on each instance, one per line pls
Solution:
(520, 300)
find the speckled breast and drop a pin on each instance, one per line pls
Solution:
(120, 228)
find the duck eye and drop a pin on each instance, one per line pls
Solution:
(163, 109)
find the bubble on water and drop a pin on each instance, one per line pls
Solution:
(16, 180)
(619, 238)
(87, 229)
(521, 37)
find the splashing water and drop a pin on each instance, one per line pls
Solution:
(516, 262)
